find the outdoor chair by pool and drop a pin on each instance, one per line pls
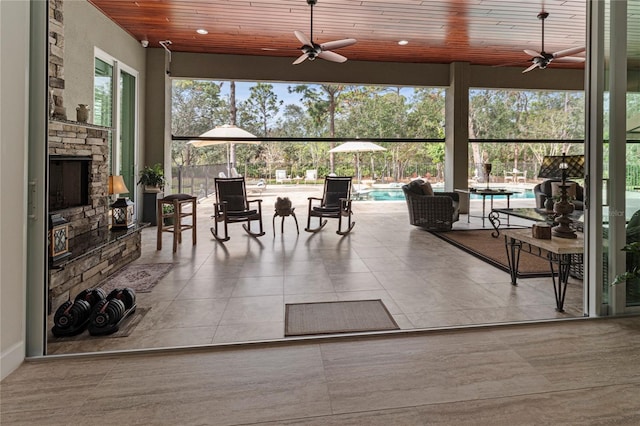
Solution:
(281, 176)
(232, 206)
(311, 176)
(334, 204)
(431, 211)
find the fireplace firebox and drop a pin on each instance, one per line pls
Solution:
(68, 181)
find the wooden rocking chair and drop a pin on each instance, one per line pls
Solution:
(232, 206)
(335, 204)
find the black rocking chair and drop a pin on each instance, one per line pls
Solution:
(232, 206)
(335, 204)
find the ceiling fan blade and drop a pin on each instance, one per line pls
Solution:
(337, 44)
(569, 52)
(569, 59)
(533, 53)
(331, 56)
(300, 59)
(303, 38)
(532, 66)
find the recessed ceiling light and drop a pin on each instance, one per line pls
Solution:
(403, 42)
(202, 31)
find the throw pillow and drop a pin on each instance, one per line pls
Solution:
(415, 186)
(427, 189)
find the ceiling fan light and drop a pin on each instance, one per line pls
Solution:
(202, 31)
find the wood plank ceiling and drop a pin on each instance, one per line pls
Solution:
(484, 32)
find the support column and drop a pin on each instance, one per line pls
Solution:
(457, 131)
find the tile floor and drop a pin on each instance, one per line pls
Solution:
(235, 292)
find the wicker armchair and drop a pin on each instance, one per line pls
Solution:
(435, 212)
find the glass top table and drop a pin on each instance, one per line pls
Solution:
(484, 193)
(533, 214)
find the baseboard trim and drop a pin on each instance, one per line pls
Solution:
(11, 359)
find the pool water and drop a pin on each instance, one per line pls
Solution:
(518, 195)
(396, 194)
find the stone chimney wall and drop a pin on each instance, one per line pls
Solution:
(70, 138)
(56, 60)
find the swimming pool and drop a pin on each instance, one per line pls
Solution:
(396, 194)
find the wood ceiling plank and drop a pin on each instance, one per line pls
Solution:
(476, 31)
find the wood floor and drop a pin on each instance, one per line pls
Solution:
(583, 372)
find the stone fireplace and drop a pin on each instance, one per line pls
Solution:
(78, 174)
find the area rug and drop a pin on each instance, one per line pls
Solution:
(141, 278)
(482, 245)
(337, 317)
(125, 329)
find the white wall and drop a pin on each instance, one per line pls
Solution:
(14, 51)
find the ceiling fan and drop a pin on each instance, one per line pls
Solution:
(311, 50)
(542, 59)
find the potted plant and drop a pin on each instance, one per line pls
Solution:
(152, 178)
(633, 271)
(167, 209)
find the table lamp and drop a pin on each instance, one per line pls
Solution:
(550, 169)
(122, 208)
(563, 167)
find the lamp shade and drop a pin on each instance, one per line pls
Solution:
(550, 167)
(117, 186)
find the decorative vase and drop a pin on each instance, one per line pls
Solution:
(487, 172)
(548, 204)
(82, 113)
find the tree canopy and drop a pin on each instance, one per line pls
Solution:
(303, 111)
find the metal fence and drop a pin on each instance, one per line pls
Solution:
(198, 180)
(195, 180)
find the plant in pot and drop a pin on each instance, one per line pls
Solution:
(167, 209)
(633, 259)
(152, 178)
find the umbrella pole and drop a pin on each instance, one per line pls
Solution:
(358, 167)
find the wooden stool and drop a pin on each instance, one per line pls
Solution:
(177, 201)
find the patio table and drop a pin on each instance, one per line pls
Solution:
(485, 193)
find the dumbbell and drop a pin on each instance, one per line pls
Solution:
(127, 295)
(106, 314)
(92, 295)
(72, 316)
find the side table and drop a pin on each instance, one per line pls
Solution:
(284, 213)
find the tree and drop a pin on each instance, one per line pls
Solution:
(322, 103)
(196, 106)
(260, 110)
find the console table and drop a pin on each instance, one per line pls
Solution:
(561, 253)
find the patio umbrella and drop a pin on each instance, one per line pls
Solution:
(224, 131)
(358, 147)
